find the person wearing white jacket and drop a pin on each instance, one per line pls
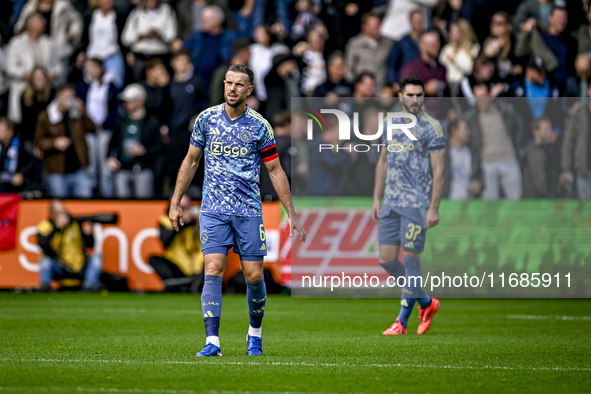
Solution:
(149, 30)
(23, 53)
(65, 26)
(396, 23)
(458, 55)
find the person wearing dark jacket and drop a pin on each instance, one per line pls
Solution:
(540, 176)
(36, 97)
(181, 266)
(327, 177)
(63, 241)
(60, 135)
(188, 97)
(281, 85)
(100, 100)
(134, 146)
(16, 164)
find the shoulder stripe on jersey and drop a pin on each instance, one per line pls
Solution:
(210, 109)
(433, 122)
(258, 116)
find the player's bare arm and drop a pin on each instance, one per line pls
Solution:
(186, 173)
(379, 184)
(279, 181)
(437, 166)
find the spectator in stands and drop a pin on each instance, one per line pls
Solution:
(281, 13)
(24, 52)
(190, 12)
(156, 85)
(3, 79)
(150, 29)
(427, 67)
(63, 241)
(281, 123)
(499, 46)
(335, 82)
(213, 45)
(533, 12)
(61, 136)
(540, 177)
(158, 103)
(461, 180)
(305, 20)
(576, 152)
(282, 84)
(36, 97)
(363, 164)
(314, 66)
(100, 40)
(557, 49)
(100, 99)
(327, 177)
(16, 164)
(134, 146)
(63, 24)
(407, 48)
(369, 52)
(497, 130)
(188, 97)
(181, 266)
(583, 60)
(240, 55)
(396, 23)
(458, 55)
(262, 52)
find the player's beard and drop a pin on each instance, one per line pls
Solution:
(414, 108)
(237, 102)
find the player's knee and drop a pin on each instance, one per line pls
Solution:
(254, 276)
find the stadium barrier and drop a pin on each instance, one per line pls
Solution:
(126, 245)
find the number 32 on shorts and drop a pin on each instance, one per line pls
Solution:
(413, 231)
(262, 232)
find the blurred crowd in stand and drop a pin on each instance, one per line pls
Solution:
(97, 97)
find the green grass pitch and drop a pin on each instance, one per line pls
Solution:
(130, 343)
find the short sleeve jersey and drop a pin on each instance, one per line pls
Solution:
(233, 150)
(408, 178)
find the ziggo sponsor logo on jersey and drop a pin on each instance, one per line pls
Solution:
(219, 149)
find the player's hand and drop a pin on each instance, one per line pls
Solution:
(294, 224)
(175, 215)
(432, 218)
(375, 210)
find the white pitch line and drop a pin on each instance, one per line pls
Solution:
(154, 391)
(548, 317)
(296, 364)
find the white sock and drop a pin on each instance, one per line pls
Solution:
(214, 340)
(255, 332)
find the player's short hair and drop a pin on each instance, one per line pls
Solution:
(411, 80)
(535, 124)
(182, 52)
(244, 69)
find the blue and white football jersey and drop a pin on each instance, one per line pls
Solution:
(233, 150)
